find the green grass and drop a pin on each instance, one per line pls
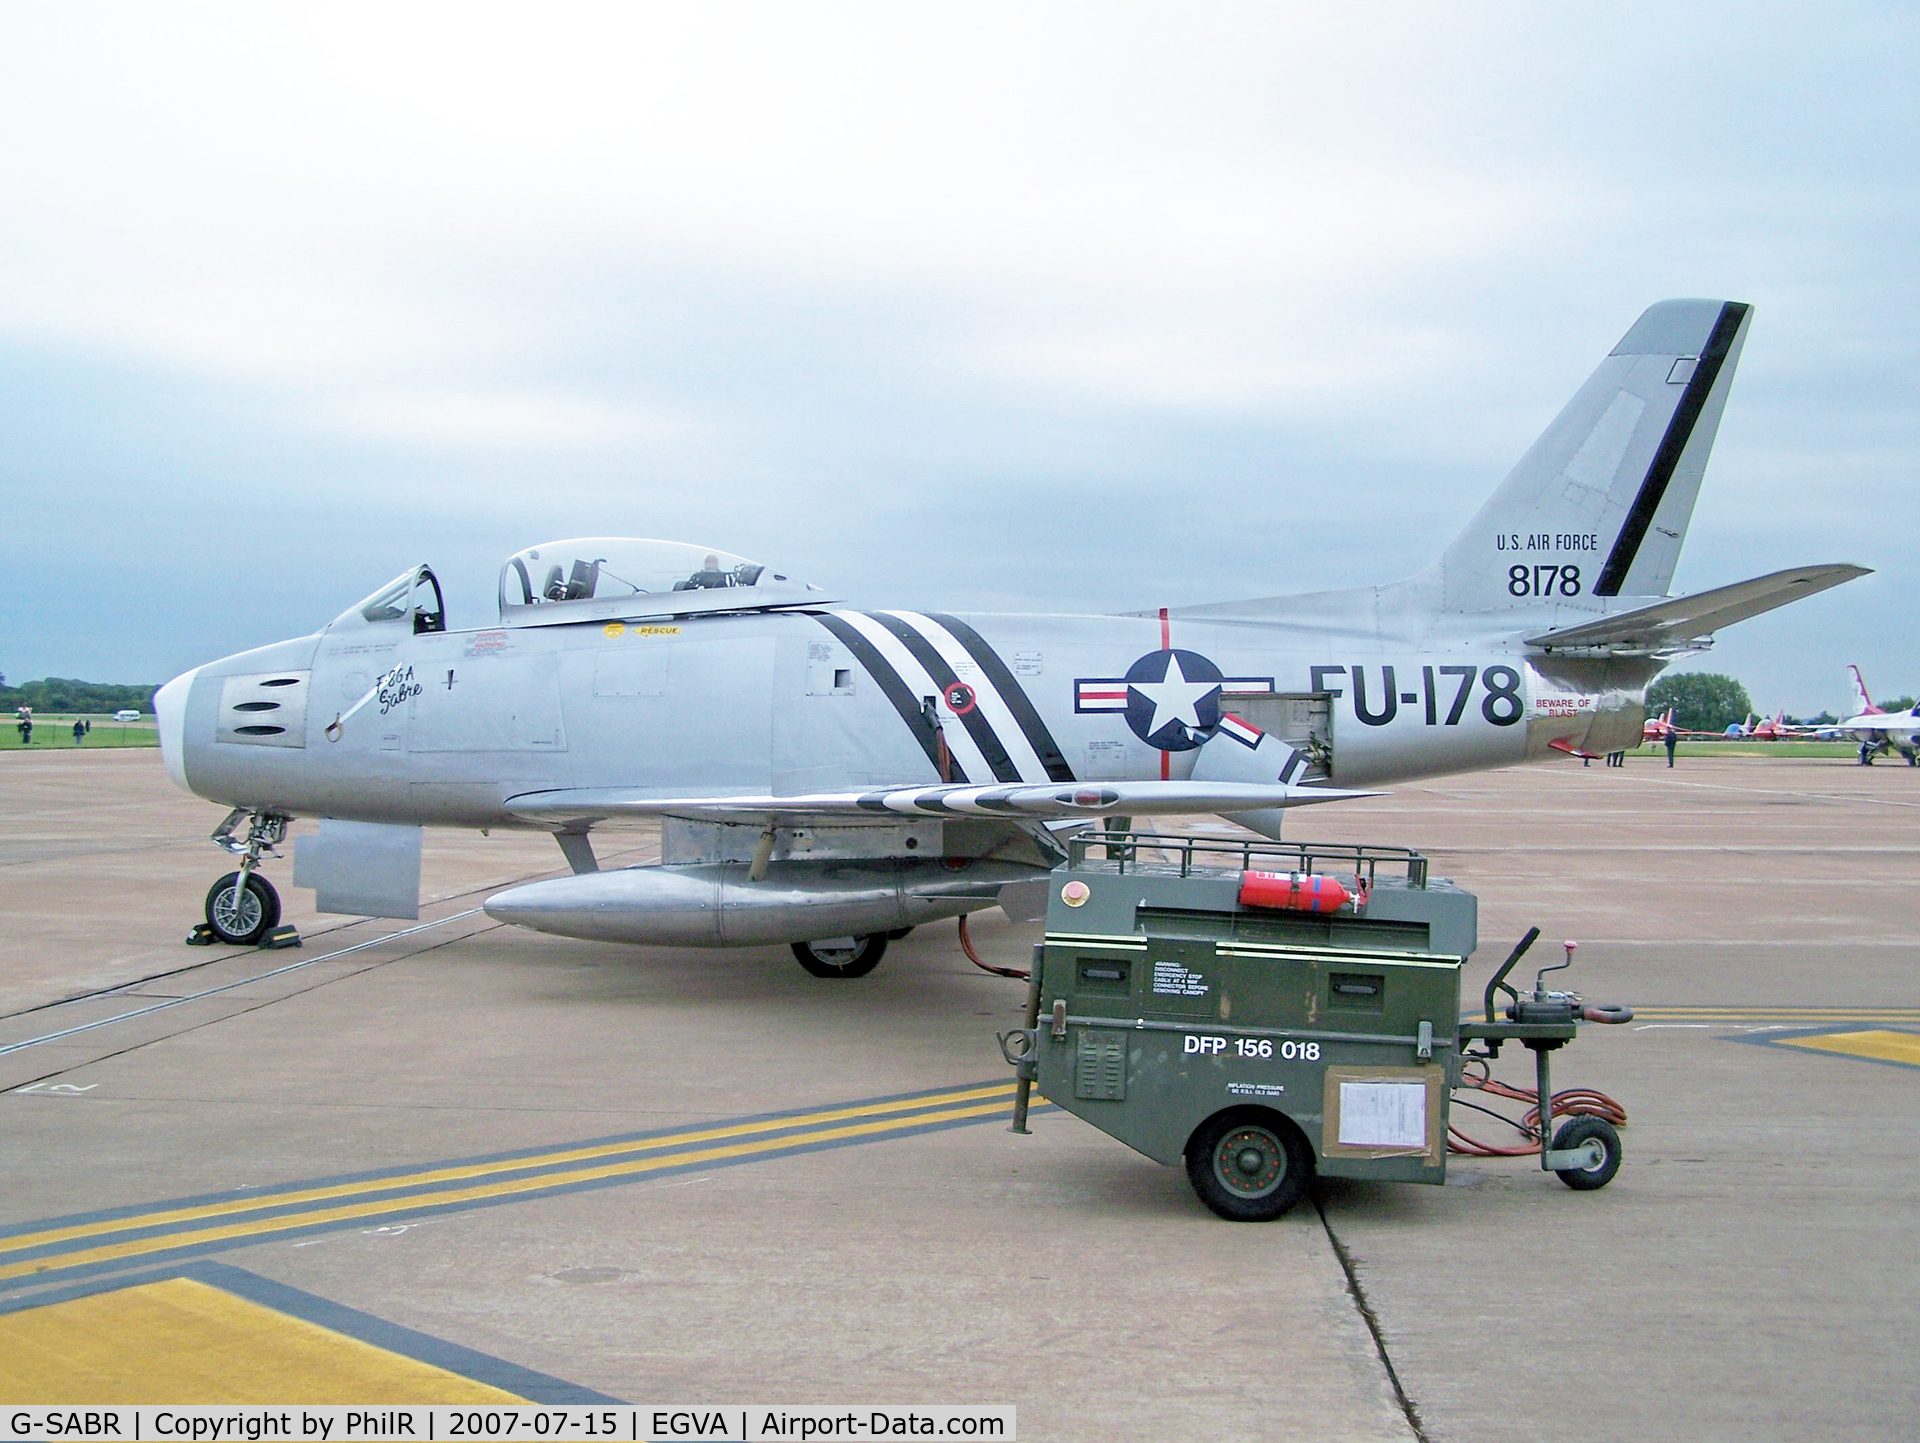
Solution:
(54, 731)
(1771, 749)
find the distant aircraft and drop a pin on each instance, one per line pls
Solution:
(828, 777)
(1774, 729)
(1877, 730)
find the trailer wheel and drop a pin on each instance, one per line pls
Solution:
(836, 959)
(1248, 1164)
(1578, 1130)
(257, 914)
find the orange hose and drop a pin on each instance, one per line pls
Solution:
(966, 946)
(1573, 1102)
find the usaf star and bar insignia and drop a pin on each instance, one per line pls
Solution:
(1171, 699)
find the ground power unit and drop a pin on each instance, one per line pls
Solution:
(1265, 1012)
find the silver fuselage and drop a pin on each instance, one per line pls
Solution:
(778, 703)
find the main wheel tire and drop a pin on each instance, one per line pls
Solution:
(1248, 1164)
(1577, 1130)
(257, 914)
(858, 960)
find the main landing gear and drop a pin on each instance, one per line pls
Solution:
(844, 956)
(243, 909)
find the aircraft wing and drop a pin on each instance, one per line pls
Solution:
(1029, 801)
(1685, 620)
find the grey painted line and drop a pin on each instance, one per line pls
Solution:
(325, 1313)
(94, 994)
(1773, 792)
(407, 1186)
(532, 1156)
(427, 1207)
(232, 986)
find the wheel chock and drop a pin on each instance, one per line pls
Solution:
(281, 936)
(201, 936)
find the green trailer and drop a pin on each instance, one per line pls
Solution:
(1177, 1007)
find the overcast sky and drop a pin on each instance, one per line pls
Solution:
(1040, 307)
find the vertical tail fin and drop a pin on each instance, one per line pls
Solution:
(1862, 703)
(1599, 505)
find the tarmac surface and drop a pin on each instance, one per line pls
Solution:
(451, 1155)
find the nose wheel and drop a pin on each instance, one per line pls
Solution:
(243, 907)
(241, 916)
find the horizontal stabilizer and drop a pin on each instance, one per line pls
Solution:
(1019, 801)
(1677, 624)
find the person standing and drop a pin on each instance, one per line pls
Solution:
(1673, 740)
(79, 731)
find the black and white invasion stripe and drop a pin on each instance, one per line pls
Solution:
(912, 656)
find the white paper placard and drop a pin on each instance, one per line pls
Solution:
(1383, 1114)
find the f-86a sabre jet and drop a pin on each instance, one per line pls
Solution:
(827, 777)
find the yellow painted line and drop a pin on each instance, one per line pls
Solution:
(261, 1227)
(190, 1343)
(230, 1207)
(1841, 1014)
(1901, 1047)
(1789, 1019)
(1730, 1011)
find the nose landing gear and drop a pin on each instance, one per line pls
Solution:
(243, 909)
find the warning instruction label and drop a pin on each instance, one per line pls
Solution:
(1170, 979)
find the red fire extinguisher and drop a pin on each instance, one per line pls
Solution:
(1294, 891)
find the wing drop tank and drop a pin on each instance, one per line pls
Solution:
(716, 905)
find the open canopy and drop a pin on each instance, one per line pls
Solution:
(597, 578)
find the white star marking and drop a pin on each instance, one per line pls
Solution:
(1173, 697)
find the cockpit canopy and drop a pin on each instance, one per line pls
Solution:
(620, 577)
(412, 597)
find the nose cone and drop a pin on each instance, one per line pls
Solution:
(170, 710)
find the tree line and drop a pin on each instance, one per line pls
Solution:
(1706, 701)
(57, 693)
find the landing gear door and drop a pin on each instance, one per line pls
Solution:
(1302, 720)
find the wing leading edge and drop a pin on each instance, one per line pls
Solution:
(1035, 802)
(1683, 622)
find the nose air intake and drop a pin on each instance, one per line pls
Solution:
(170, 710)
